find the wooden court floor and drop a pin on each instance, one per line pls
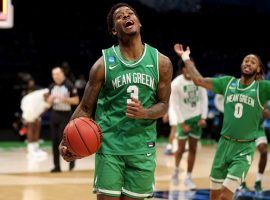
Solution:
(20, 180)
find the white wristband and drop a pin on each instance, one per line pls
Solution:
(185, 57)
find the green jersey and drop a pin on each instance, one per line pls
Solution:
(243, 106)
(125, 79)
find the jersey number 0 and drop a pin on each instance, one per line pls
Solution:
(238, 110)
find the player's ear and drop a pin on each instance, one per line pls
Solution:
(140, 24)
(114, 32)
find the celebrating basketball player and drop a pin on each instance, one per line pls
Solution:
(130, 84)
(244, 99)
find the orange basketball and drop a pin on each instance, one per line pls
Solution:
(82, 136)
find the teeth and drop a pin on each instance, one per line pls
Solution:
(128, 23)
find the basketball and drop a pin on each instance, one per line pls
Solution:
(82, 136)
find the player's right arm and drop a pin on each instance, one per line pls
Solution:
(92, 89)
(85, 108)
(196, 76)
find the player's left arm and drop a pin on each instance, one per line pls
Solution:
(135, 109)
(264, 91)
(204, 106)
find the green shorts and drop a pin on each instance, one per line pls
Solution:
(130, 175)
(232, 160)
(196, 131)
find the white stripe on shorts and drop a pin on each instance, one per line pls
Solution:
(234, 177)
(194, 136)
(107, 191)
(216, 180)
(134, 194)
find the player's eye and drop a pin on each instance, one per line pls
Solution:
(118, 16)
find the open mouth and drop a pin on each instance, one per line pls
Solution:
(129, 24)
(247, 70)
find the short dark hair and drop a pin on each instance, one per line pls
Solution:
(110, 22)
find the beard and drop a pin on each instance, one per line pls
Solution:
(248, 76)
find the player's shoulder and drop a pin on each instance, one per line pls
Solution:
(109, 47)
(164, 62)
(264, 82)
(163, 58)
(224, 78)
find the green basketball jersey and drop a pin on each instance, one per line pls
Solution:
(125, 79)
(242, 110)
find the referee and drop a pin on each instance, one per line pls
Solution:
(62, 95)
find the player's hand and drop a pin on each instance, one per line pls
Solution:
(266, 113)
(50, 99)
(179, 50)
(65, 153)
(135, 110)
(61, 98)
(202, 123)
(185, 128)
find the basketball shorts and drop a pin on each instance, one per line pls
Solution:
(196, 131)
(129, 175)
(232, 160)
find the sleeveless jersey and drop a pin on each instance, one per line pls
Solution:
(242, 110)
(125, 79)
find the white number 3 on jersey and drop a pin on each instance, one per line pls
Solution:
(134, 92)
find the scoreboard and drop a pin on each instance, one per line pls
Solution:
(6, 14)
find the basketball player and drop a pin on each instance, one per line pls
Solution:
(243, 106)
(261, 144)
(131, 85)
(33, 105)
(172, 146)
(190, 105)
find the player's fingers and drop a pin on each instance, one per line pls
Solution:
(177, 47)
(129, 115)
(132, 109)
(135, 100)
(134, 104)
(63, 149)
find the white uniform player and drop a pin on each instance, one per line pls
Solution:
(188, 109)
(32, 106)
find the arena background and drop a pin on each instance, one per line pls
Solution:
(48, 33)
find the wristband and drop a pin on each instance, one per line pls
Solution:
(185, 57)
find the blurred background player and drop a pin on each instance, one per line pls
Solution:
(33, 105)
(172, 145)
(189, 104)
(170, 118)
(261, 144)
(62, 96)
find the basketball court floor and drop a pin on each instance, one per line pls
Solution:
(23, 179)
